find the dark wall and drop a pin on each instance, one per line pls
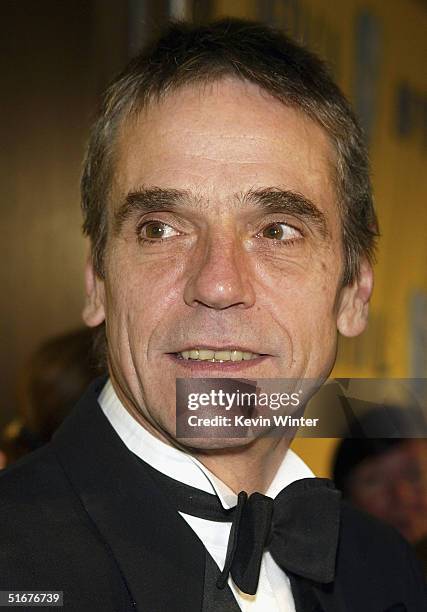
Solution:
(56, 56)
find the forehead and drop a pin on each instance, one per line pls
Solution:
(222, 139)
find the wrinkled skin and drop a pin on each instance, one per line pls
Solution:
(228, 272)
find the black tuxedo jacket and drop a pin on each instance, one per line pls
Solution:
(83, 516)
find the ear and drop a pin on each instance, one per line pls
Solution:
(93, 312)
(353, 307)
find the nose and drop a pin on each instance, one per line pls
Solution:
(220, 275)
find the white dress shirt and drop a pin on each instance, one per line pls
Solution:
(274, 592)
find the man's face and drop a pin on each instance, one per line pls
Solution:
(225, 238)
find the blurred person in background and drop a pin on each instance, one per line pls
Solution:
(16, 440)
(52, 381)
(387, 477)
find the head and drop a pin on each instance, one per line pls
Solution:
(226, 195)
(387, 478)
(53, 380)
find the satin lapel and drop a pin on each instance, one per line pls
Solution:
(158, 554)
(216, 599)
(304, 597)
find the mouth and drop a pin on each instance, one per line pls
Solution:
(217, 358)
(217, 355)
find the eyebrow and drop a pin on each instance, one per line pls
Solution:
(145, 200)
(269, 200)
(276, 200)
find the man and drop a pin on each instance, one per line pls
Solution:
(227, 199)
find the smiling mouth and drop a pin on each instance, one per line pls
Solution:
(217, 356)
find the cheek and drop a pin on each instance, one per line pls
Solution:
(303, 283)
(302, 300)
(375, 505)
(139, 294)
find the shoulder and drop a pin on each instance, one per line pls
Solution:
(37, 505)
(362, 526)
(365, 534)
(35, 500)
(47, 540)
(373, 558)
(30, 478)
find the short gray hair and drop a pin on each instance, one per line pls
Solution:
(187, 54)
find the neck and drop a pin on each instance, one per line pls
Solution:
(250, 467)
(247, 468)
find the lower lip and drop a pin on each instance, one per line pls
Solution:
(194, 365)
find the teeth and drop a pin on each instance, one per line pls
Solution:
(220, 356)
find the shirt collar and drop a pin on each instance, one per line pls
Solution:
(182, 466)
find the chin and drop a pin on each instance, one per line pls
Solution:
(213, 444)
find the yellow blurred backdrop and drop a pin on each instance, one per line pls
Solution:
(395, 60)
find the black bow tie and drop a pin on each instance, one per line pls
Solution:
(299, 528)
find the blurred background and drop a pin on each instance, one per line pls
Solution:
(58, 56)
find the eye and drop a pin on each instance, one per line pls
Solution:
(156, 231)
(280, 231)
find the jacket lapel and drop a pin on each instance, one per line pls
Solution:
(159, 556)
(304, 597)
